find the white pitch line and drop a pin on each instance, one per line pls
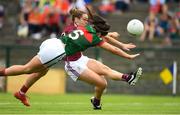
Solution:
(89, 114)
(107, 104)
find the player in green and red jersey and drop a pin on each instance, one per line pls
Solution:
(81, 39)
(39, 66)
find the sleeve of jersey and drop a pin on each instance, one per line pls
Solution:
(100, 43)
(99, 39)
(69, 28)
(90, 29)
(104, 40)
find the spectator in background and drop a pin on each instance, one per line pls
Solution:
(157, 5)
(173, 32)
(122, 5)
(35, 22)
(106, 7)
(81, 5)
(50, 18)
(177, 15)
(151, 27)
(62, 7)
(53, 19)
(164, 23)
(43, 17)
(165, 18)
(89, 4)
(43, 3)
(174, 28)
(1, 16)
(26, 7)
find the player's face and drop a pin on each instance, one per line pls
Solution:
(84, 19)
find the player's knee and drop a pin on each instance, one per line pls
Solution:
(43, 73)
(103, 85)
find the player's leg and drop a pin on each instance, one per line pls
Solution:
(31, 79)
(92, 78)
(78, 70)
(34, 65)
(102, 69)
(35, 77)
(98, 81)
(51, 51)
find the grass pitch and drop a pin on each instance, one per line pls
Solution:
(76, 104)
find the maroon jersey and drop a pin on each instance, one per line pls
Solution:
(67, 30)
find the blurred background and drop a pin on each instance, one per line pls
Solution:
(24, 24)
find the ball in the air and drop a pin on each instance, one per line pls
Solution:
(135, 27)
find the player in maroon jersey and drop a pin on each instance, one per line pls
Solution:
(131, 79)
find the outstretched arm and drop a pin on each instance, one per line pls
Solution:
(117, 51)
(112, 37)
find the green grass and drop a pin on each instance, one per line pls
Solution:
(80, 104)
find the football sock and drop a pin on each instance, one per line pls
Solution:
(2, 72)
(126, 77)
(23, 89)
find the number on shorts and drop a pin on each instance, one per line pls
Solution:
(75, 34)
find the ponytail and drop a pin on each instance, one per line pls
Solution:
(75, 13)
(100, 24)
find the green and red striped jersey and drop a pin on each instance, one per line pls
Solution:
(80, 39)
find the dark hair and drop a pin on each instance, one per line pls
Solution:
(75, 13)
(100, 24)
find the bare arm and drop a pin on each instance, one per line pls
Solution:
(119, 44)
(114, 35)
(117, 51)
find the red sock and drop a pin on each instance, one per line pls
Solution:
(23, 89)
(126, 77)
(2, 72)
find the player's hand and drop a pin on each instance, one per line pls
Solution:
(134, 56)
(114, 35)
(128, 46)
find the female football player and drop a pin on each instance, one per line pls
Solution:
(78, 40)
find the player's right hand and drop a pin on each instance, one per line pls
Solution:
(132, 56)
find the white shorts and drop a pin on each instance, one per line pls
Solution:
(75, 68)
(51, 51)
